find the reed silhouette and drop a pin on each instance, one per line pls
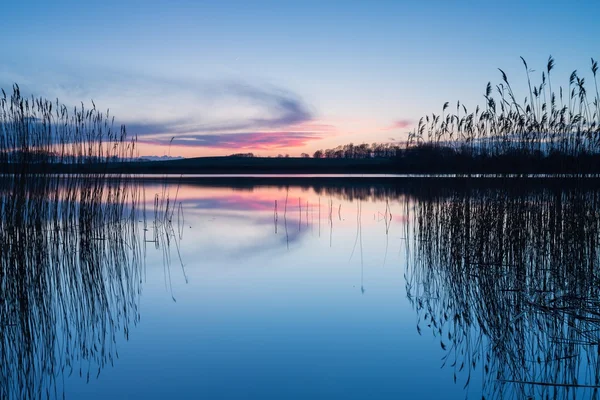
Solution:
(71, 253)
(41, 136)
(549, 131)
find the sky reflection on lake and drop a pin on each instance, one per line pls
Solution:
(286, 303)
(359, 292)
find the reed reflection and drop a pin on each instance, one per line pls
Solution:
(508, 282)
(70, 280)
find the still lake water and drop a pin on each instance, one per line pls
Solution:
(346, 291)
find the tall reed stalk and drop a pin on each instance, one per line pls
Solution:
(37, 135)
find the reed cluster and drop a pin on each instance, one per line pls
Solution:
(549, 120)
(38, 135)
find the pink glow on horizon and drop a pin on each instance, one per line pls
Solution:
(293, 138)
(270, 202)
(306, 137)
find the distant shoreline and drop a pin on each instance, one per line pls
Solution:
(414, 165)
(506, 166)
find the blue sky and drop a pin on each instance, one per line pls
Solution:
(283, 77)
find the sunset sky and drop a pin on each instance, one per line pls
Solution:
(277, 77)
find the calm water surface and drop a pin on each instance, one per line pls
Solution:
(332, 292)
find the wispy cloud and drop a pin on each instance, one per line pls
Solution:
(227, 114)
(273, 109)
(242, 140)
(286, 108)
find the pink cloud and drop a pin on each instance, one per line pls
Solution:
(295, 135)
(244, 140)
(399, 124)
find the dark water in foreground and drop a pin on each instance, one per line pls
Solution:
(288, 292)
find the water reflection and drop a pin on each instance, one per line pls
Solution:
(505, 277)
(299, 282)
(508, 282)
(70, 279)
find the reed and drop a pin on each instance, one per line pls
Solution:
(545, 123)
(41, 136)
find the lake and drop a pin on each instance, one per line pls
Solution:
(333, 289)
